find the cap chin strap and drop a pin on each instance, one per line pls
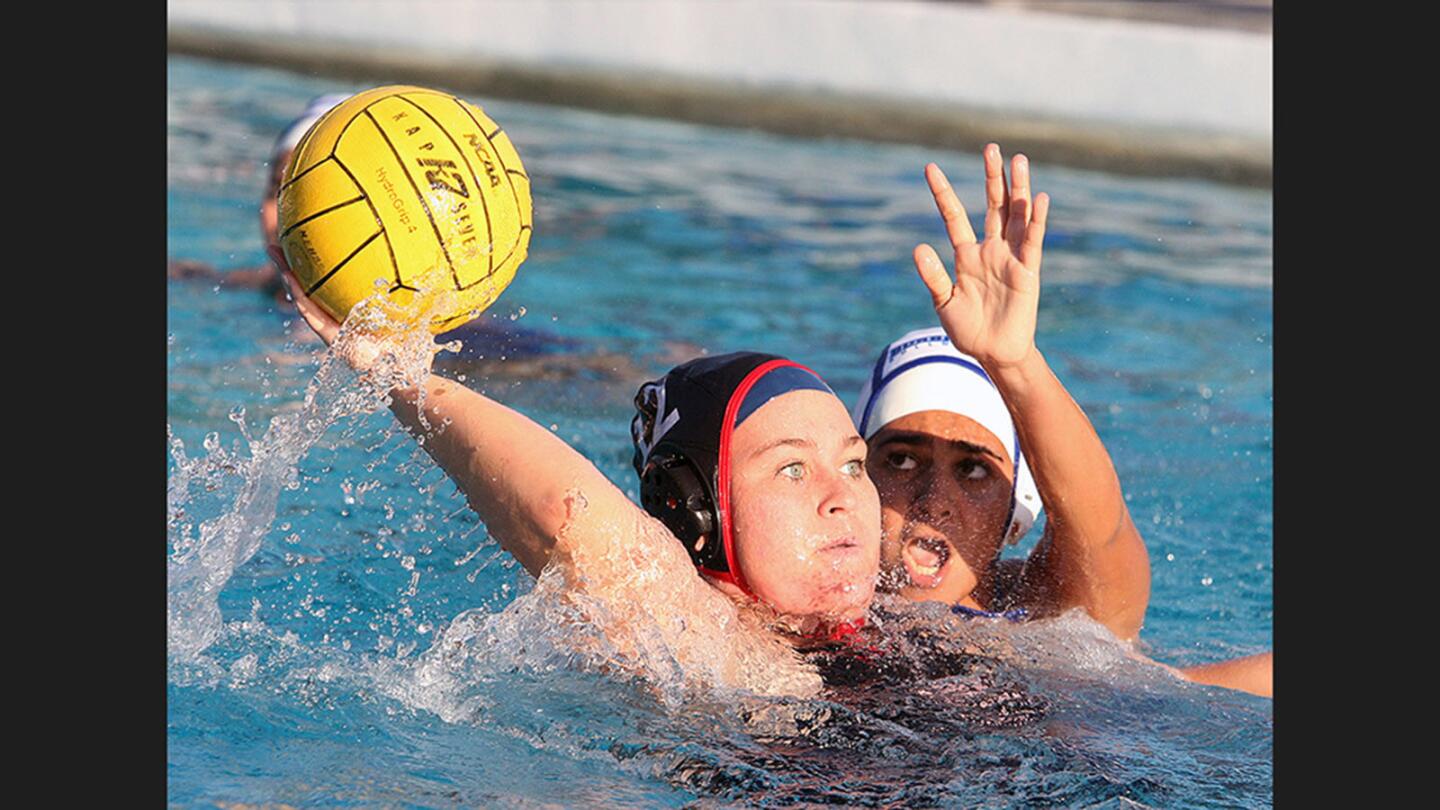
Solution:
(841, 631)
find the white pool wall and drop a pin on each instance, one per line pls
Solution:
(1082, 69)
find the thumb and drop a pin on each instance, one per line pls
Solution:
(933, 273)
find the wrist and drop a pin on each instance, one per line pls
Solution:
(1020, 373)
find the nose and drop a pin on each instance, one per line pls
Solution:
(839, 495)
(938, 497)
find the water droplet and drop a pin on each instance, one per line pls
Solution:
(1170, 558)
(1207, 581)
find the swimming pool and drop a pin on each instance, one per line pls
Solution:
(318, 683)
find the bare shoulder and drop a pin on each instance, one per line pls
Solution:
(660, 613)
(610, 545)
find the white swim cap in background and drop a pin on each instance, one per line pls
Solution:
(317, 107)
(923, 371)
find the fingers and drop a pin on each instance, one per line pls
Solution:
(932, 272)
(957, 224)
(318, 319)
(995, 193)
(1019, 215)
(1029, 252)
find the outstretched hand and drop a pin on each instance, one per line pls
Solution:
(360, 353)
(989, 309)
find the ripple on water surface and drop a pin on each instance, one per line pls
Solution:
(313, 676)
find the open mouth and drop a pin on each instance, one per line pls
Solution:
(925, 558)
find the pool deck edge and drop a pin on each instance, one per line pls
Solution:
(1120, 148)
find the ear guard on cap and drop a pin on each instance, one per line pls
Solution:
(672, 490)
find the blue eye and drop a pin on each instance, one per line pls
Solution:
(853, 468)
(795, 471)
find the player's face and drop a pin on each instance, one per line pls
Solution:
(806, 516)
(945, 485)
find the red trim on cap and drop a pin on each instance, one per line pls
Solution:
(727, 429)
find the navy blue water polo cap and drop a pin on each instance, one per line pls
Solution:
(682, 430)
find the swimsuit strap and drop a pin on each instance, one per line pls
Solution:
(1016, 615)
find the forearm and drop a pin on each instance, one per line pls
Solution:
(527, 486)
(515, 474)
(1254, 674)
(1092, 555)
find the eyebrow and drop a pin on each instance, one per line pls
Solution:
(802, 443)
(925, 439)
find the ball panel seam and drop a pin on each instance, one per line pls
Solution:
(424, 203)
(479, 192)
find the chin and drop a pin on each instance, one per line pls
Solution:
(844, 604)
(832, 602)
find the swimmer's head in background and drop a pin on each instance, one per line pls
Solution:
(923, 371)
(295, 131)
(290, 138)
(682, 434)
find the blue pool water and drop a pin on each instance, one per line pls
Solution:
(304, 667)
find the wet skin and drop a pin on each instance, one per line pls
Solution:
(806, 516)
(945, 484)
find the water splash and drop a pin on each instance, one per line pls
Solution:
(205, 552)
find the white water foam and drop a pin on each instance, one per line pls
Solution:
(203, 558)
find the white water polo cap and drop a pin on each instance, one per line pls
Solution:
(923, 371)
(317, 107)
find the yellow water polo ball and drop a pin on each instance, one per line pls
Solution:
(402, 189)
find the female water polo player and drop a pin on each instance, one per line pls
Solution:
(769, 530)
(951, 497)
(956, 488)
(955, 484)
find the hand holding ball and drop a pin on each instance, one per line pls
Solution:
(400, 190)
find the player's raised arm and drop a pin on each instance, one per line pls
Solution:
(523, 481)
(1091, 555)
(1253, 673)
